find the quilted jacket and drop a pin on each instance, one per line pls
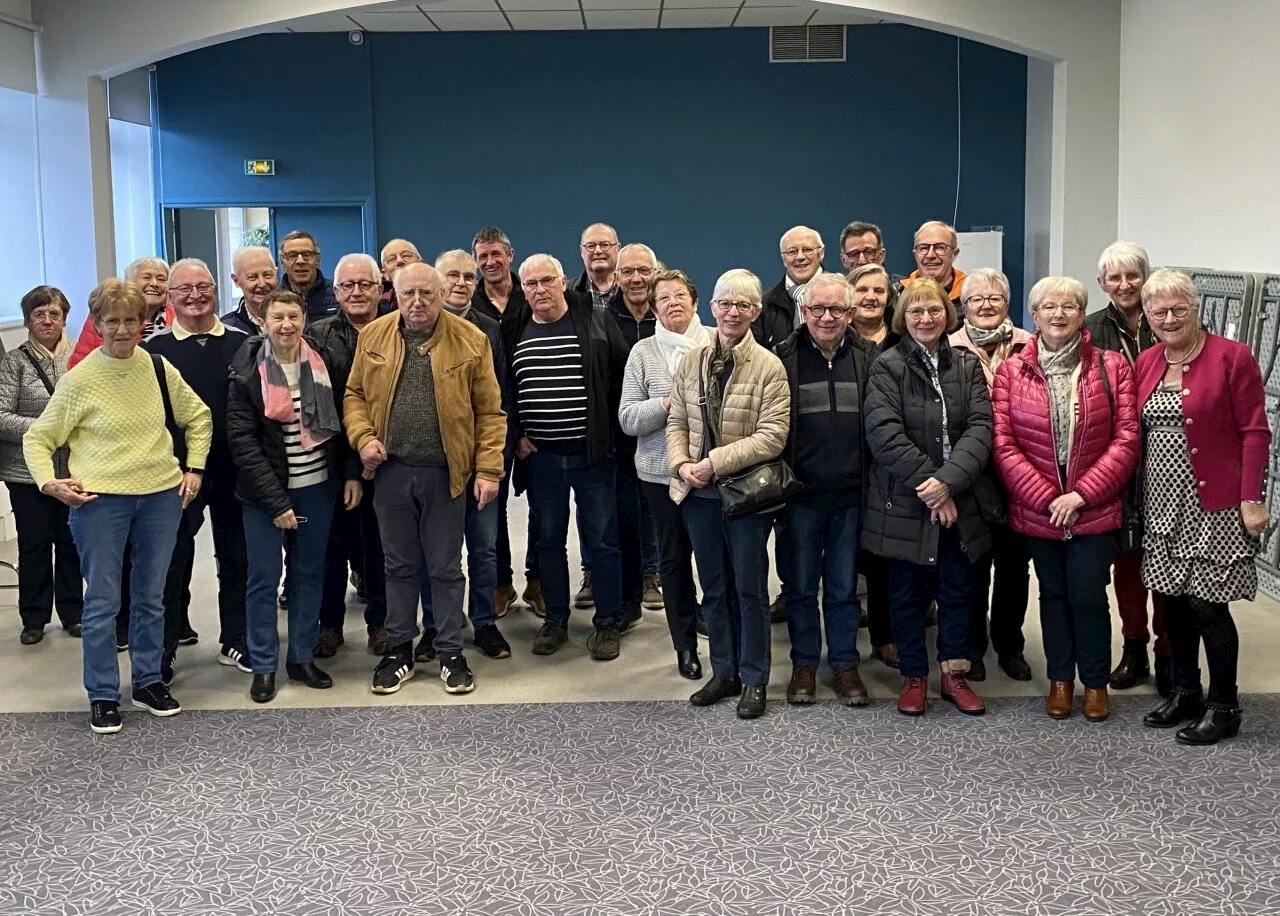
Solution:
(1104, 443)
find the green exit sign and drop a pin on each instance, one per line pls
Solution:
(259, 166)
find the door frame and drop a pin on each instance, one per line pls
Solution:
(368, 213)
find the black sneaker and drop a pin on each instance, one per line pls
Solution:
(586, 596)
(631, 615)
(426, 651)
(235, 657)
(456, 675)
(604, 644)
(188, 636)
(166, 668)
(550, 637)
(155, 699)
(104, 717)
(392, 672)
(31, 635)
(73, 630)
(491, 642)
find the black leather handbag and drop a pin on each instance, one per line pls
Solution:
(764, 488)
(1132, 523)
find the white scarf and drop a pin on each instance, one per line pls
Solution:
(674, 346)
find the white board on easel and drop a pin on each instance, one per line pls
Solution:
(980, 249)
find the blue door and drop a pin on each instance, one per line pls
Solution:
(338, 230)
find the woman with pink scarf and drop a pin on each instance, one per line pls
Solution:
(284, 426)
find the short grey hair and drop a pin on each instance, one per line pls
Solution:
(984, 276)
(528, 263)
(859, 272)
(1057, 286)
(937, 224)
(640, 246)
(452, 254)
(358, 257)
(240, 254)
(824, 279)
(816, 234)
(740, 282)
(1124, 254)
(135, 267)
(194, 263)
(1171, 284)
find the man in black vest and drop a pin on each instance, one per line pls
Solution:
(201, 348)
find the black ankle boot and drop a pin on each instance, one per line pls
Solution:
(1216, 723)
(1175, 710)
(1164, 675)
(1133, 665)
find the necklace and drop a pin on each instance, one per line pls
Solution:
(1191, 354)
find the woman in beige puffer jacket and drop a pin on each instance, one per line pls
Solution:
(748, 409)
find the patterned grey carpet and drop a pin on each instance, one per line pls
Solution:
(637, 808)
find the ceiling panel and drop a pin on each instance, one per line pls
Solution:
(471, 22)
(530, 5)
(619, 5)
(773, 15)
(542, 21)
(460, 6)
(394, 22)
(830, 15)
(622, 19)
(329, 22)
(697, 19)
(396, 7)
(701, 4)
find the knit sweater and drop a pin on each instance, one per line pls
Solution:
(641, 413)
(111, 414)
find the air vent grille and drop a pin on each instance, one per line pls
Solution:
(791, 43)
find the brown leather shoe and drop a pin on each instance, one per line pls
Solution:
(915, 692)
(803, 687)
(849, 686)
(1058, 704)
(955, 687)
(887, 654)
(1097, 705)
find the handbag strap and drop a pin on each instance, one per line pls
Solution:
(35, 364)
(170, 423)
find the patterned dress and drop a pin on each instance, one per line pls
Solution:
(1186, 550)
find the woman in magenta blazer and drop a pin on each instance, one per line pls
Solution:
(1206, 442)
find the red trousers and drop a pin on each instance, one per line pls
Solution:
(1131, 596)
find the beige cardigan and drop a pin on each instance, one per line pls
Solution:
(754, 419)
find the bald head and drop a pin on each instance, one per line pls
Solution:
(418, 295)
(396, 254)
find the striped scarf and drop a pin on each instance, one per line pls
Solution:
(317, 416)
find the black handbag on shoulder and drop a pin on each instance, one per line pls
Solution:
(1132, 524)
(763, 488)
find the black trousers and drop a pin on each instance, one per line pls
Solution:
(1007, 601)
(218, 495)
(675, 566)
(879, 621)
(48, 564)
(1075, 613)
(1189, 620)
(354, 539)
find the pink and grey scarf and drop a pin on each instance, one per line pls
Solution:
(317, 418)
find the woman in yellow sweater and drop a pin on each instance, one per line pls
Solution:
(118, 412)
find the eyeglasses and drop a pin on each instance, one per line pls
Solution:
(1177, 311)
(861, 254)
(299, 255)
(807, 250)
(996, 299)
(629, 272)
(183, 292)
(598, 246)
(937, 248)
(53, 313)
(919, 314)
(835, 311)
(455, 276)
(112, 324)
(348, 285)
(428, 293)
(544, 282)
(1066, 308)
(729, 305)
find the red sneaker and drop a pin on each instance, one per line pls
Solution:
(955, 687)
(915, 691)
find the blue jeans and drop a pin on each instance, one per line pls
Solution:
(551, 477)
(733, 553)
(306, 577)
(100, 529)
(912, 586)
(824, 549)
(480, 532)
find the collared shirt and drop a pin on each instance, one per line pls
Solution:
(795, 291)
(181, 333)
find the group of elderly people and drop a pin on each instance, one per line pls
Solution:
(903, 428)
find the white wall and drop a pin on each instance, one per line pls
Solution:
(1199, 94)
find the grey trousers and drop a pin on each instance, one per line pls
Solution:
(418, 521)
